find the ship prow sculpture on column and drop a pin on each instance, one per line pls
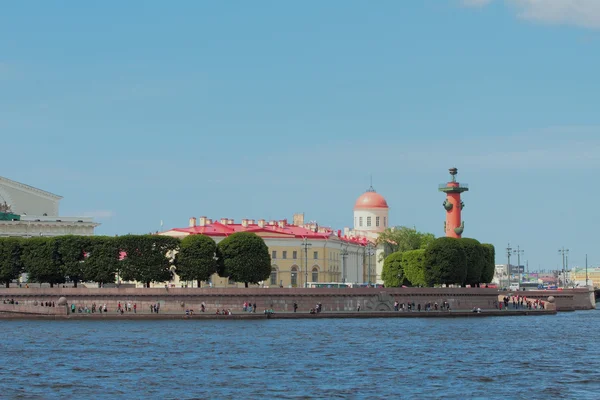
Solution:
(454, 226)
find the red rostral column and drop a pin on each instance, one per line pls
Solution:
(453, 226)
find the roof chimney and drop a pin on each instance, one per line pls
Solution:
(282, 223)
(202, 221)
(245, 223)
(298, 219)
(208, 221)
(261, 223)
(251, 222)
(272, 222)
(230, 221)
(224, 221)
(192, 222)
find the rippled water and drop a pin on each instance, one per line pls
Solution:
(537, 357)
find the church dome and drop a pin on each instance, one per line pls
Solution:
(370, 199)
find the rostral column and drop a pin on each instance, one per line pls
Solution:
(453, 226)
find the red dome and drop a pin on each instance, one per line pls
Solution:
(370, 200)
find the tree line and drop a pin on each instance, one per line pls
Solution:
(422, 260)
(242, 257)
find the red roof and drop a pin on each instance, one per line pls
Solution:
(267, 231)
(370, 199)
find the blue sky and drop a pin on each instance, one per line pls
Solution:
(143, 112)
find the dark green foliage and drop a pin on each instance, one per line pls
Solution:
(487, 274)
(392, 273)
(445, 262)
(476, 258)
(196, 259)
(11, 264)
(71, 250)
(102, 261)
(413, 262)
(41, 261)
(403, 238)
(149, 258)
(245, 258)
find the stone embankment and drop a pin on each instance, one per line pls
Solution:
(341, 303)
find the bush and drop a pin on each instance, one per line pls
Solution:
(413, 262)
(445, 262)
(392, 273)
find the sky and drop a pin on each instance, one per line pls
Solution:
(139, 113)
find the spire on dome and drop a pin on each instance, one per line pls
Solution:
(370, 189)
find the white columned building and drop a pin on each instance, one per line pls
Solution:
(26, 211)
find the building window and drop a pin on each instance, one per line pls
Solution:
(315, 274)
(294, 255)
(316, 255)
(368, 221)
(359, 221)
(294, 276)
(274, 276)
(384, 222)
(274, 254)
(284, 255)
(376, 221)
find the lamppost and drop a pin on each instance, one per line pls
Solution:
(508, 253)
(369, 253)
(565, 253)
(306, 246)
(586, 271)
(344, 254)
(518, 252)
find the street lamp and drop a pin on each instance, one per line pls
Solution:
(344, 254)
(565, 253)
(369, 253)
(508, 253)
(306, 246)
(518, 252)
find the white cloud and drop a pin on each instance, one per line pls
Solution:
(99, 214)
(584, 13)
(475, 3)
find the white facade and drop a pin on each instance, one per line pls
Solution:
(38, 213)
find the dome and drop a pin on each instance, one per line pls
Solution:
(370, 199)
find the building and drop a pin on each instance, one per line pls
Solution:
(26, 211)
(577, 276)
(304, 253)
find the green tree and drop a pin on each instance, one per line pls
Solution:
(476, 259)
(102, 259)
(245, 258)
(413, 262)
(487, 274)
(41, 261)
(403, 238)
(11, 264)
(148, 258)
(71, 250)
(445, 262)
(196, 258)
(393, 272)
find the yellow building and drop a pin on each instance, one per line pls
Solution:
(577, 276)
(301, 254)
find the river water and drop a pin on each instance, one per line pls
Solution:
(538, 357)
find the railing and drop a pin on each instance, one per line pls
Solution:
(459, 185)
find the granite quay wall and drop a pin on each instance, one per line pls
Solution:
(27, 308)
(177, 300)
(565, 300)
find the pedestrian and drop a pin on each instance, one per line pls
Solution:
(295, 306)
(135, 308)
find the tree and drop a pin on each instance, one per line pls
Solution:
(445, 262)
(393, 272)
(71, 254)
(41, 261)
(476, 259)
(413, 262)
(196, 259)
(402, 238)
(245, 258)
(11, 264)
(102, 259)
(487, 274)
(148, 258)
